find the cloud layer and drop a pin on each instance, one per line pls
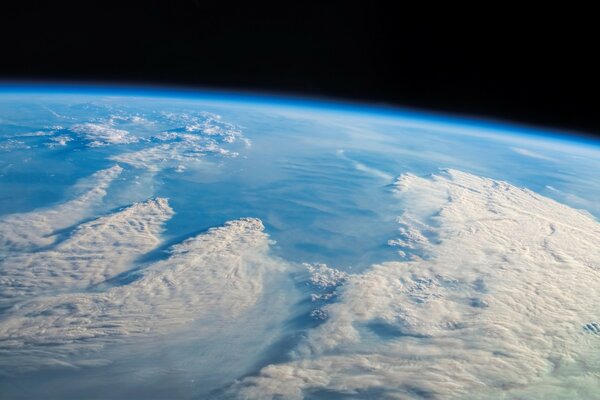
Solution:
(497, 294)
(66, 298)
(214, 276)
(503, 301)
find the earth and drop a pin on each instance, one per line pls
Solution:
(159, 244)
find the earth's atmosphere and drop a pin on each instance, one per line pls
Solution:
(219, 246)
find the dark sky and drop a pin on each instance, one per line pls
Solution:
(499, 63)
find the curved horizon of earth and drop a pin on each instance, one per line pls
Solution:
(168, 245)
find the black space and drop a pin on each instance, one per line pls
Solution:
(497, 63)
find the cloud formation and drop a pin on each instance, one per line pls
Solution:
(530, 153)
(365, 168)
(504, 303)
(323, 282)
(93, 253)
(102, 134)
(171, 155)
(213, 277)
(37, 228)
(189, 141)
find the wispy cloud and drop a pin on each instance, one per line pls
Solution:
(214, 276)
(530, 153)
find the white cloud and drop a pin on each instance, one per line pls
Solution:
(499, 306)
(365, 168)
(214, 277)
(324, 277)
(94, 252)
(574, 200)
(530, 153)
(37, 133)
(65, 298)
(61, 140)
(134, 119)
(188, 142)
(37, 228)
(324, 282)
(171, 155)
(12, 144)
(102, 134)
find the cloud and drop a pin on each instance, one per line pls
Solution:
(57, 141)
(500, 306)
(171, 155)
(12, 144)
(365, 168)
(529, 153)
(324, 277)
(66, 297)
(38, 133)
(102, 134)
(205, 124)
(37, 228)
(215, 277)
(94, 252)
(191, 138)
(324, 282)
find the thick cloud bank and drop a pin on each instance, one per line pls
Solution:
(499, 295)
(93, 253)
(71, 286)
(211, 278)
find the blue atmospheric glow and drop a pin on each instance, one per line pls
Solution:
(286, 100)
